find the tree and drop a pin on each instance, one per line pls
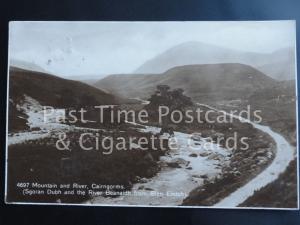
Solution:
(164, 96)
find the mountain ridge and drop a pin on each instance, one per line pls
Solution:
(194, 52)
(233, 79)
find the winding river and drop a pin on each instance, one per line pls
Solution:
(285, 153)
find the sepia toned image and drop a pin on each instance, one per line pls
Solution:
(160, 114)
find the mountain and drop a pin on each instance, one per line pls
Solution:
(281, 65)
(50, 90)
(200, 53)
(87, 78)
(207, 81)
(55, 91)
(26, 65)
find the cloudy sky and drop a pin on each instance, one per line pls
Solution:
(101, 48)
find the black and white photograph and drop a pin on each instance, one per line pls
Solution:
(152, 114)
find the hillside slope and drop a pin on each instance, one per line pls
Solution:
(52, 91)
(216, 81)
(55, 91)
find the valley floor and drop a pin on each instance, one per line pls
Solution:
(185, 167)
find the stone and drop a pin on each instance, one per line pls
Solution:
(193, 155)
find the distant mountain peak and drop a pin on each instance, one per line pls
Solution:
(195, 52)
(30, 66)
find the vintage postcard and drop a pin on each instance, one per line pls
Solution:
(160, 114)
